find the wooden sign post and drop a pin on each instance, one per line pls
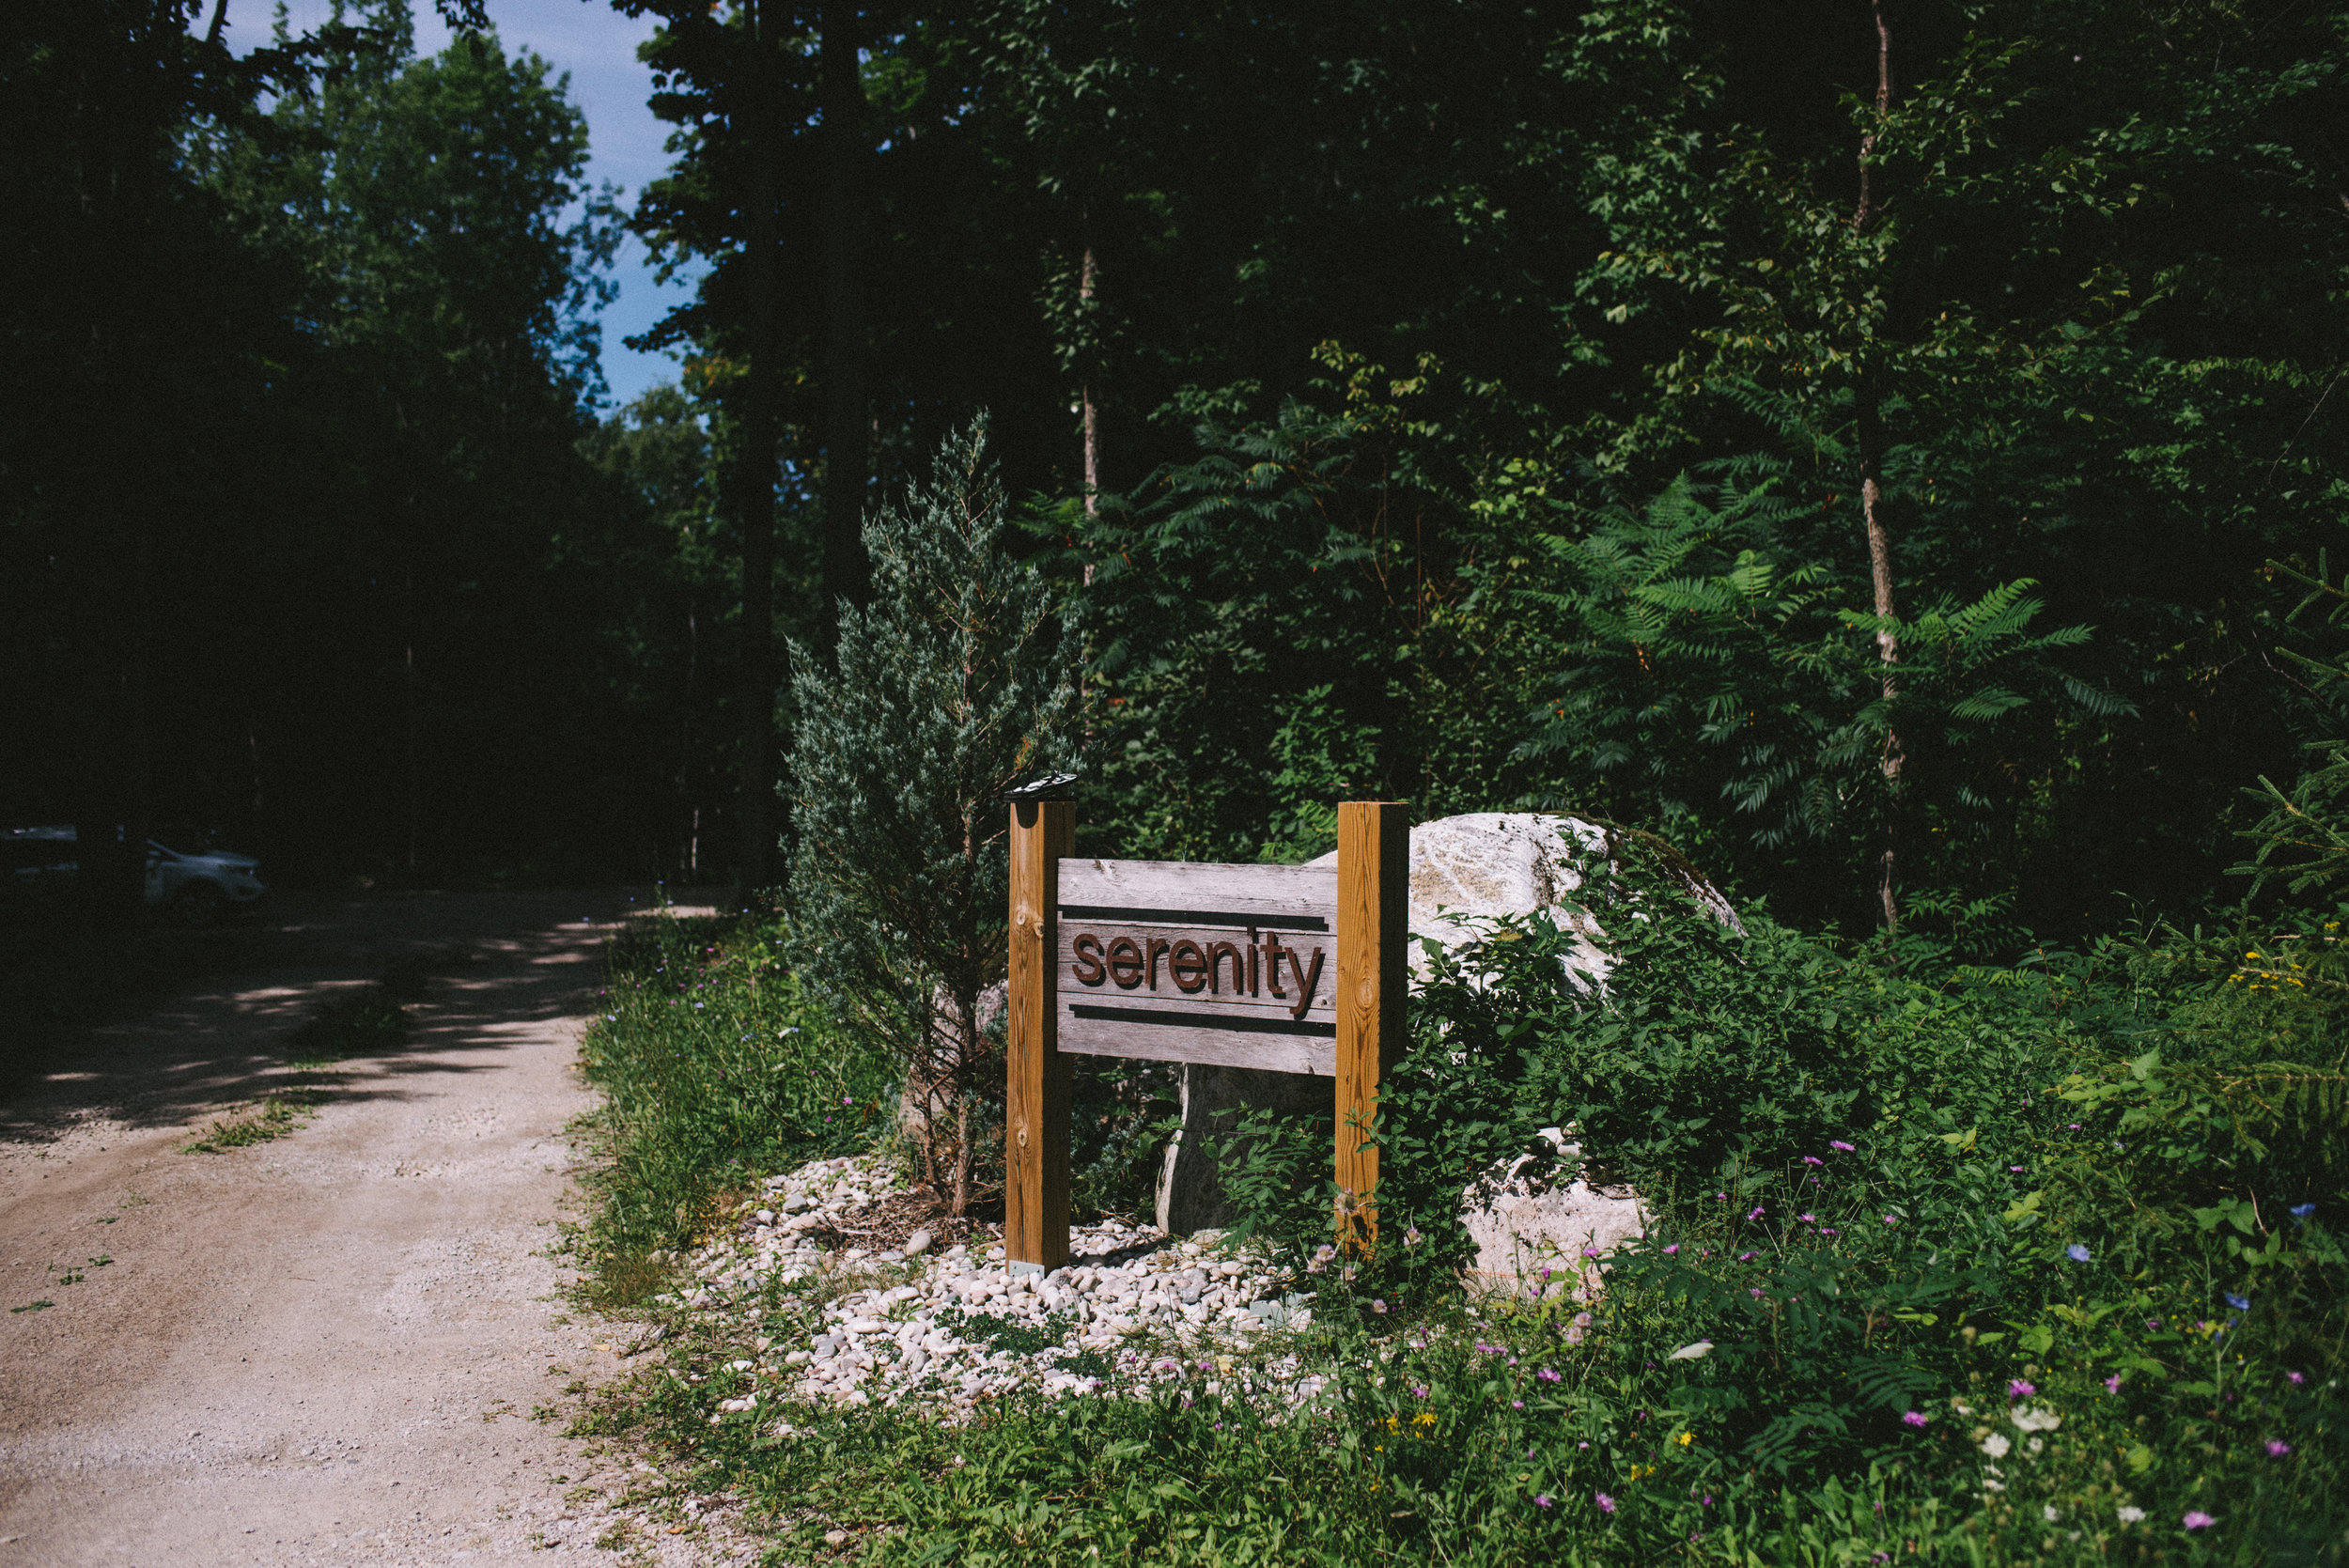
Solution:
(1035, 1099)
(1279, 968)
(1374, 936)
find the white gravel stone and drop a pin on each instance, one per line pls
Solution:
(1147, 1306)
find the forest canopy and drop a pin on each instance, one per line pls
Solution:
(1873, 448)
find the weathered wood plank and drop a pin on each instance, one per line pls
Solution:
(1374, 926)
(1284, 898)
(1205, 968)
(1036, 1093)
(1157, 1035)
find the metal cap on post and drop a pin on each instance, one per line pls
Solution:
(1374, 931)
(1037, 1088)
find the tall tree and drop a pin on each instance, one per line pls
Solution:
(760, 114)
(847, 415)
(1868, 432)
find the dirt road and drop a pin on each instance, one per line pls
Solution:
(324, 1348)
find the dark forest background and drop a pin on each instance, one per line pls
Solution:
(1870, 445)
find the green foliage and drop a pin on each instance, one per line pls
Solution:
(668, 626)
(2305, 835)
(955, 684)
(1263, 618)
(715, 1067)
(1719, 679)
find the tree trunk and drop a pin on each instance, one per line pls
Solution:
(847, 429)
(1092, 409)
(754, 482)
(961, 1202)
(1868, 415)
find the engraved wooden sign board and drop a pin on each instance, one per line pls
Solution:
(1282, 969)
(1232, 966)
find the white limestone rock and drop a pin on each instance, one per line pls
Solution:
(1539, 1227)
(1466, 873)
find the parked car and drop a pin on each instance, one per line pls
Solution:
(40, 866)
(203, 889)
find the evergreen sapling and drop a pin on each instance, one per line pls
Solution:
(958, 682)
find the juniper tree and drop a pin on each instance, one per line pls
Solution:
(958, 680)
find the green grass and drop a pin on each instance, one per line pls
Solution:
(715, 1069)
(275, 1117)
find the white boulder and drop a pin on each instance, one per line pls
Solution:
(1540, 1228)
(1469, 871)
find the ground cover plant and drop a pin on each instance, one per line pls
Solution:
(2034, 1264)
(714, 1067)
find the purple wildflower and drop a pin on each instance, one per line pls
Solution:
(1543, 1500)
(2197, 1519)
(1606, 1503)
(1913, 1417)
(2277, 1448)
(2017, 1389)
(1838, 1143)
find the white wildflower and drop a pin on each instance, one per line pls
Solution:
(2036, 1417)
(1697, 1351)
(2048, 1512)
(2131, 1514)
(1995, 1445)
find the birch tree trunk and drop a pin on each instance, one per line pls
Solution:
(1868, 412)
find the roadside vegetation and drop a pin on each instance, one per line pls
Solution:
(715, 1070)
(2023, 1263)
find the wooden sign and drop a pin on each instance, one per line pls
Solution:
(1282, 969)
(1232, 966)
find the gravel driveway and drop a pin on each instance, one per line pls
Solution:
(324, 1348)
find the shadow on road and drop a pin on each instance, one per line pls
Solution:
(471, 968)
